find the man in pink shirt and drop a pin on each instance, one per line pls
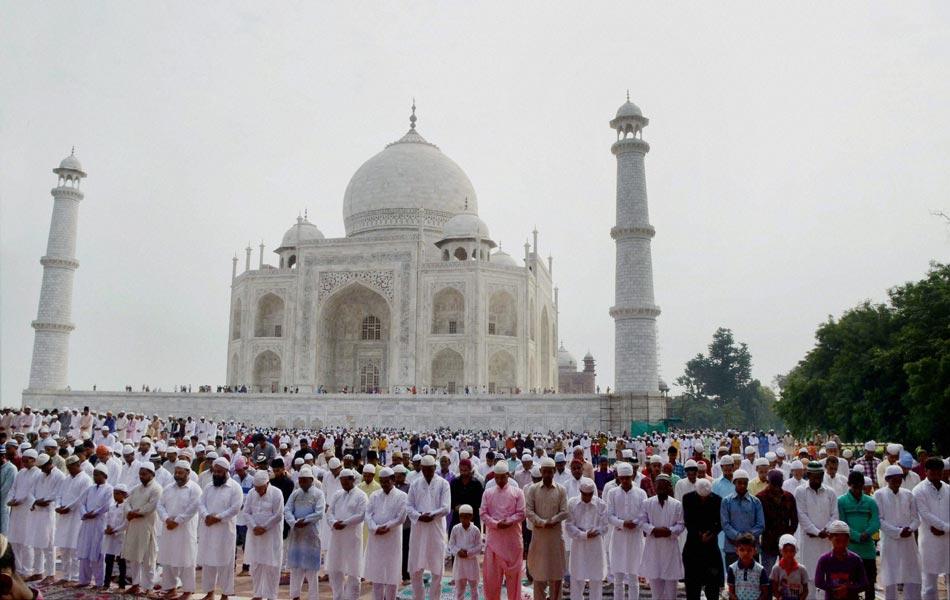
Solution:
(502, 512)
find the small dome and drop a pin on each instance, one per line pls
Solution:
(504, 259)
(70, 163)
(465, 225)
(588, 356)
(629, 109)
(308, 231)
(565, 360)
(663, 386)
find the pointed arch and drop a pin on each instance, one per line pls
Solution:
(269, 321)
(502, 373)
(448, 311)
(267, 372)
(234, 375)
(354, 332)
(502, 316)
(448, 371)
(236, 314)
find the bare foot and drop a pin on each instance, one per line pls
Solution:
(210, 596)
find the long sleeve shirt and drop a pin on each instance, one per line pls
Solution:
(741, 514)
(781, 517)
(849, 571)
(862, 517)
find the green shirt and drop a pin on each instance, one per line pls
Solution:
(862, 517)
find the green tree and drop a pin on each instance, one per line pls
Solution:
(720, 391)
(881, 371)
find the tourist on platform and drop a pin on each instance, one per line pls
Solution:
(385, 513)
(900, 558)
(502, 512)
(345, 545)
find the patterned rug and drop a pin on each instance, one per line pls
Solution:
(448, 591)
(60, 592)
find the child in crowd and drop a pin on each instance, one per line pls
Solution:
(746, 577)
(789, 579)
(115, 535)
(465, 542)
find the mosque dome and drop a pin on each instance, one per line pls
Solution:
(664, 387)
(308, 231)
(503, 258)
(629, 109)
(565, 360)
(464, 226)
(387, 192)
(70, 163)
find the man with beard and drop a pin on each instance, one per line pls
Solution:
(264, 512)
(702, 561)
(385, 513)
(399, 478)
(465, 489)
(218, 508)
(546, 509)
(624, 506)
(68, 517)
(42, 524)
(345, 553)
(303, 513)
(140, 549)
(662, 523)
(429, 502)
(586, 525)
(817, 507)
(21, 499)
(178, 545)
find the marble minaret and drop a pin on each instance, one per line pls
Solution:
(634, 311)
(50, 365)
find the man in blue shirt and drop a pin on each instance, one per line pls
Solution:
(740, 513)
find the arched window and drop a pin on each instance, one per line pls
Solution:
(369, 376)
(461, 254)
(292, 261)
(445, 255)
(371, 328)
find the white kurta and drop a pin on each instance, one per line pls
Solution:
(21, 491)
(331, 485)
(383, 562)
(587, 554)
(217, 541)
(661, 556)
(179, 547)
(900, 561)
(816, 510)
(469, 540)
(933, 506)
(112, 544)
(345, 552)
(265, 511)
(42, 523)
(141, 543)
(427, 540)
(67, 525)
(626, 545)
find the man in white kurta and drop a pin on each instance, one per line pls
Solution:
(264, 513)
(385, 513)
(624, 509)
(817, 507)
(140, 549)
(345, 553)
(42, 518)
(662, 522)
(900, 560)
(68, 517)
(21, 499)
(933, 506)
(303, 513)
(428, 503)
(93, 511)
(218, 508)
(178, 521)
(586, 525)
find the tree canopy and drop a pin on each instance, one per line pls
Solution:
(720, 391)
(881, 371)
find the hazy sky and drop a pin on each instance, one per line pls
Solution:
(796, 156)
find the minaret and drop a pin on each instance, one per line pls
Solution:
(50, 365)
(634, 311)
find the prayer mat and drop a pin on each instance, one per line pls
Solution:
(61, 592)
(448, 591)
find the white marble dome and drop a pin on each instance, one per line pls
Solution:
(70, 163)
(565, 360)
(308, 231)
(504, 259)
(390, 188)
(629, 109)
(465, 226)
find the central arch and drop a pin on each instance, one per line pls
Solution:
(353, 341)
(266, 372)
(448, 371)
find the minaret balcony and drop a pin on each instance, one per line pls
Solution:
(635, 312)
(644, 232)
(630, 144)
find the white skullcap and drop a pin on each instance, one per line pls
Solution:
(839, 527)
(535, 471)
(749, 450)
(847, 453)
(347, 473)
(298, 461)
(221, 462)
(127, 449)
(894, 449)
(527, 457)
(740, 474)
(726, 460)
(587, 485)
(183, 464)
(386, 472)
(703, 487)
(691, 464)
(466, 509)
(889, 472)
(770, 456)
(328, 445)
(831, 445)
(260, 477)
(369, 469)
(464, 454)
(417, 458)
(146, 440)
(334, 463)
(698, 447)
(72, 460)
(147, 466)
(500, 468)
(101, 468)
(656, 460)
(780, 452)
(199, 448)
(42, 459)
(576, 448)
(212, 455)
(858, 468)
(121, 488)
(429, 461)
(736, 458)
(626, 453)
(787, 539)
(305, 473)
(624, 470)
(171, 449)
(760, 462)
(548, 462)
(870, 446)
(797, 464)
(432, 452)
(400, 469)
(868, 482)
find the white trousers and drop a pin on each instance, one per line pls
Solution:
(141, 574)
(348, 590)
(384, 591)
(633, 586)
(419, 588)
(218, 577)
(44, 561)
(92, 571)
(70, 564)
(461, 584)
(596, 589)
(930, 585)
(171, 575)
(663, 588)
(313, 583)
(266, 580)
(911, 591)
(24, 559)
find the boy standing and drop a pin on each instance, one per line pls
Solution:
(747, 578)
(789, 579)
(465, 542)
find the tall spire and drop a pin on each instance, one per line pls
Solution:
(412, 117)
(628, 94)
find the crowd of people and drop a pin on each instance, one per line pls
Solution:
(145, 502)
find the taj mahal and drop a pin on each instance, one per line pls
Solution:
(416, 306)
